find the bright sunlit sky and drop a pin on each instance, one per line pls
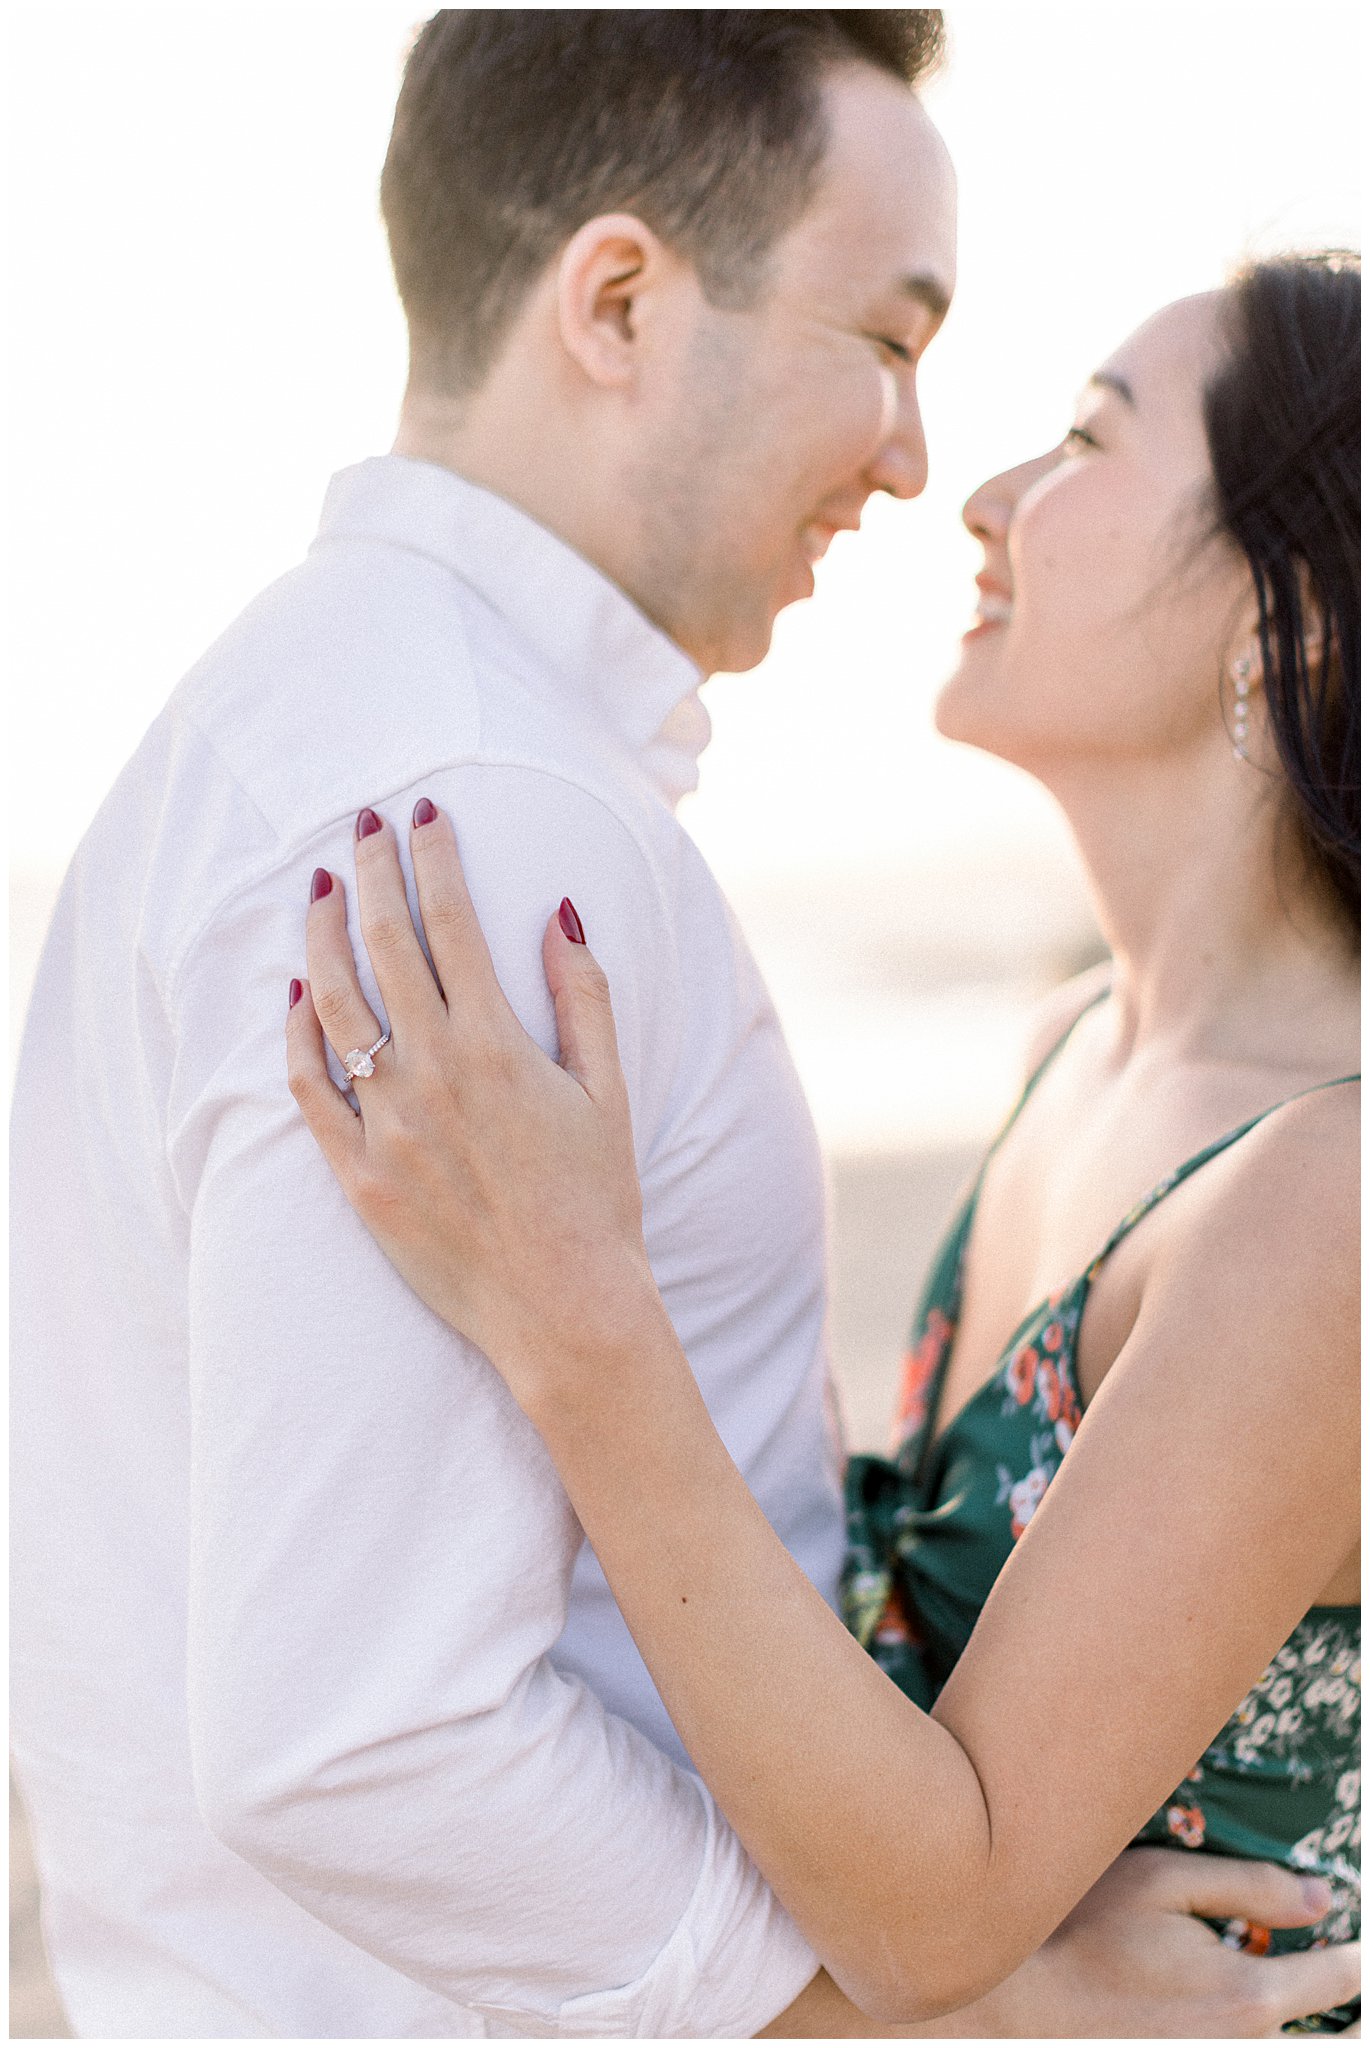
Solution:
(206, 329)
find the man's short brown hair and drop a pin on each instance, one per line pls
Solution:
(515, 126)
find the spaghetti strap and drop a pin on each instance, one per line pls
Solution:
(1035, 1076)
(1192, 1165)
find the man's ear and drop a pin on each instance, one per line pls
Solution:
(608, 272)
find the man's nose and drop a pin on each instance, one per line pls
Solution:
(901, 464)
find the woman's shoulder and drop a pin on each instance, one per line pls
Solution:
(1247, 1330)
(1302, 1157)
(1279, 1207)
(1059, 1011)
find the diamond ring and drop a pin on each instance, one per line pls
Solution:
(358, 1065)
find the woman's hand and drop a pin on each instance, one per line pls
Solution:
(503, 1187)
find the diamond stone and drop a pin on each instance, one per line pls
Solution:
(359, 1066)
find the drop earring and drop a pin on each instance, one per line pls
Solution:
(1241, 717)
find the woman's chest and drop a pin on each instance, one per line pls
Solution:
(1039, 1225)
(1031, 1318)
(1099, 1161)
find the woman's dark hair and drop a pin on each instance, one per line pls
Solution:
(1283, 423)
(517, 125)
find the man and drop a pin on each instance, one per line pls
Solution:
(326, 1723)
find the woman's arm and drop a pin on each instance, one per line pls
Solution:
(1134, 1961)
(1208, 1496)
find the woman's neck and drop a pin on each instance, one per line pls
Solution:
(1223, 947)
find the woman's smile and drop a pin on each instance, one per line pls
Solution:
(994, 607)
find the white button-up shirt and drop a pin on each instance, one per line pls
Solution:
(325, 1718)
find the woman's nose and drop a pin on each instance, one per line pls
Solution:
(989, 509)
(983, 515)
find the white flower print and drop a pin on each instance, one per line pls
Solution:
(1026, 1497)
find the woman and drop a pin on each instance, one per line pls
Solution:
(1126, 1502)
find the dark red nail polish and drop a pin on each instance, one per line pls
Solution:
(296, 991)
(367, 823)
(320, 885)
(570, 923)
(424, 812)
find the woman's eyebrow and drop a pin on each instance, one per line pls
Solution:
(1109, 380)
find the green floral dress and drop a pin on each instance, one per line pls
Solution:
(930, 1530)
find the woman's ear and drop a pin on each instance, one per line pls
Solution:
(1246, 643)
(609, 271)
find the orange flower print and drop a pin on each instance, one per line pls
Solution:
(920, 1367)
(894, 1625)
(1049, 1387)
(1051, 1337)
(1186, 1823)
(1022, 1374)
(1248, 1936)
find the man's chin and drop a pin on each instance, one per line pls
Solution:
(740, 647)
(742, 640)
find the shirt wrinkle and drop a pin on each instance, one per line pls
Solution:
(287, 852)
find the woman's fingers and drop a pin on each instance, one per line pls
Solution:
(347, 1018)
(450, 924)
(1314, 1980)
(1278, 1988)
(405, 980)
(1230, 1888)
(336, 1127)
(585, 1012)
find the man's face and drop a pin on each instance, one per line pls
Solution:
(781, 420)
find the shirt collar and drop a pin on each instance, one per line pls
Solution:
(591, 640)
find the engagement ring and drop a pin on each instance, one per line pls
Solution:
(358, 1065)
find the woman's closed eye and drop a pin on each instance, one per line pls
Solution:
(1079, 437)
(897, 349)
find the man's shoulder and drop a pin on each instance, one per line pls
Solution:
(371, 676)
(352, 671)
(366, 669)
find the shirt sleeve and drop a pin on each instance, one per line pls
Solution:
(380, 1547)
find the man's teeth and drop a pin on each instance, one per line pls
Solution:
(994, 611)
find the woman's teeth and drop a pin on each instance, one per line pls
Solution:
(994, 611)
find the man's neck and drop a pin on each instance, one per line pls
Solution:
(529, 454)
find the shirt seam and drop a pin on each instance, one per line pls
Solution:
(284, 850)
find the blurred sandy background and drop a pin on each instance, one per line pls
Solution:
(907, 900)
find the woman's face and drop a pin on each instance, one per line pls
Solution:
(1104, 627)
